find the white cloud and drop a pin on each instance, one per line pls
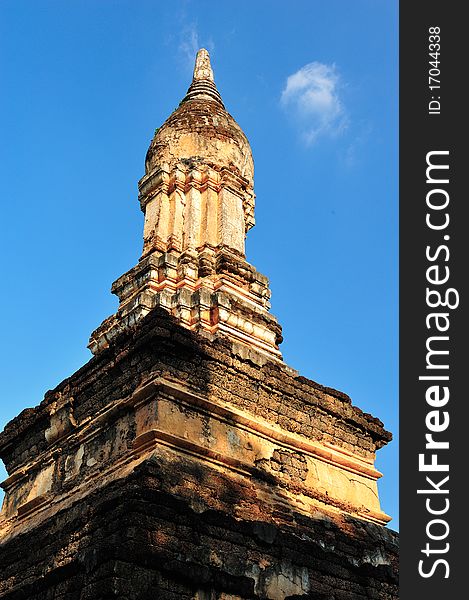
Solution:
(355, 151)
(190, 43)
(311, 95)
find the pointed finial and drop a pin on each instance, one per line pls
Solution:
(203, 68)
(203, 86)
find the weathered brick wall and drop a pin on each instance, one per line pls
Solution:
(160, 347)
(177, 525)
(140, 538)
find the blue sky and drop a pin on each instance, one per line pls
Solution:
(313, 84)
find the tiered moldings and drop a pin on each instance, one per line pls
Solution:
(212, 290)
(194, 206)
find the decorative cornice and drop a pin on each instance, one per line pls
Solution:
(146, 441)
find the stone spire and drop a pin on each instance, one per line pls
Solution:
(203, 85)
(197, 196)
(202, 67)
(194, 419)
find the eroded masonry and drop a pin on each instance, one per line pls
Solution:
(186, 459)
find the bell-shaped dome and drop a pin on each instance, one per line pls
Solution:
(201, 130)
